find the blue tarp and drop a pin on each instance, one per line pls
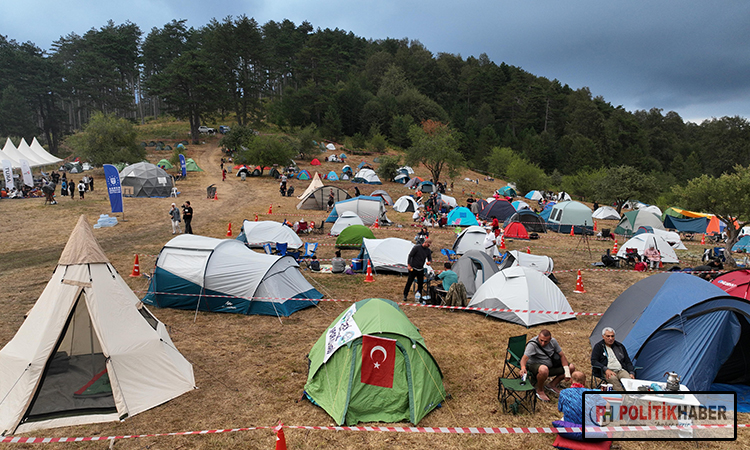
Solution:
(695, 225)
(742, 245)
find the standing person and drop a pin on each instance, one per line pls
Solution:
(356, 191)
(91, 183)
(419, 255)
(223, 174)
(490, 244)
(64, 187)
(611, 358)
(72, 189)
(81, 189)
(187, 214)
(331, 200)
(544, 357)
(174, 214)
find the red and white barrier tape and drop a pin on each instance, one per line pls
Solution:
(433, 430)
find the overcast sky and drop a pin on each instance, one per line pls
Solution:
(692, 57)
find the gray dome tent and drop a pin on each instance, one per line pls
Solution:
(473, 269)
(146, 180)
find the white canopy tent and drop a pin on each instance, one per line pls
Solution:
(43, 154)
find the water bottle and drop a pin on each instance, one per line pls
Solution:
(523, 379)
(417, 297)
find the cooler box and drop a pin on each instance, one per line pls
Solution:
(356, 265)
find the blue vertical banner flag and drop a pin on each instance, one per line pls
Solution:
(114, 189)
(183, 165)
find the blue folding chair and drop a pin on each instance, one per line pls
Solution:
(281, 248)
(267, 249)
(310, 248)
(450, 254)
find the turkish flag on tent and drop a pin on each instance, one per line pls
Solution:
(378, 361)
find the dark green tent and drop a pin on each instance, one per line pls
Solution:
(351, 236)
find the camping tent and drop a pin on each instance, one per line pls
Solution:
(407, 169)
(676, 322)
(478, 205)
(318, 198)
(426, 187)
(632, 220)
(406, 203)
(672, 238)
(451, 201)
(529, 219)
(315, 183)
(547, 210)
(690, 225)
(191, 166)
(507, 191)
(43, 154)
(366, 176)
(742, 244)
(500, 209)
(461, 216)
(413, 182)
(471, 238)
(387, 255)
(315, 162)
(401, 178)
(165, 164)
(255, 234)
(303, 175)
(542, 263)
(735, 282)
(519, 205)
(534, 195)
(565, 215)
(345, 219)
(222, 275)
(351, 236)
(524, 289)
(347, 169)
(332, 176)
(606, 213)
(330, 146)
(88, 351)
(515, 230)
(650, 208)
(342, 360)
(146, 180)
(384, 195)
(369, 209)
(643, 241)
(473, 269)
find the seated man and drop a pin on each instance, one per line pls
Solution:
(448, 276)
(338, 264)
(543, 357)
(571, 405)
(653, 256)
(612, 359)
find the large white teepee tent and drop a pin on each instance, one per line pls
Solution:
(89, 351)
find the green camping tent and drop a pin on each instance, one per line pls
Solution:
(164, 164)
(633, 220)
(351, 236)
(191, 166)
(339, 376)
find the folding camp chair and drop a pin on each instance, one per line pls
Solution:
(522, 394)
(513, 355)
(281, 248)
(450, 254)
(267, 249)
(310, 248)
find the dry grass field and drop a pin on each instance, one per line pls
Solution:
(251, 370)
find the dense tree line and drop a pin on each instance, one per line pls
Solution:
(346, 86)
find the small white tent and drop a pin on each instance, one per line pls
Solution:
(366, 176)
(255, 234)
(369, 209)
(672, 238)
(605, 213)
(387, 255)
(344, 220)
(522, 290)
(643, 241)
(89, 351)
(451, 201)
(472, 238)
(406, 203)
(541, 263)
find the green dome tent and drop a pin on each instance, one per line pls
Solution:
(164, 164)
(191, 166)
(633, 220)
(396, 380)
(351, 236)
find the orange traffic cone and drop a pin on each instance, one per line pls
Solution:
(614, 250)
(661, 264)
(595, 225)
(216, 195)
(136, 268)
(280, 439)
(703, 239)
(377, 224)
(270, 208)
(229, 229)
(368, 277)
(528, 250)
(256, 217)
(502, 241)
(572, 231)
(579, 284)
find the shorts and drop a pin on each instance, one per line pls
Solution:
(553, 371)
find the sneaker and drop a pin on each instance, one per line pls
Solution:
(405, 300)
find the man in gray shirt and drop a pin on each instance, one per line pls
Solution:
(543, 357)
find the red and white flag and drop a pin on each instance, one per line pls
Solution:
(378, 361)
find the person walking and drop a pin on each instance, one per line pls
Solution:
(72, 189)
(419, 255)
(174, 214)
(91, 183)
(64, 188)
(81, 189)
(187, 214)
(223, 174)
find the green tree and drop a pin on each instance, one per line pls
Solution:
(267, 151)
(622, 183)
(16, 116)
(527, 176)
(726, 196)
(106, 139)
(435, 145)
(237, 137)
(388, 168)
(304, 142)
(499, 159)
(583, 183)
